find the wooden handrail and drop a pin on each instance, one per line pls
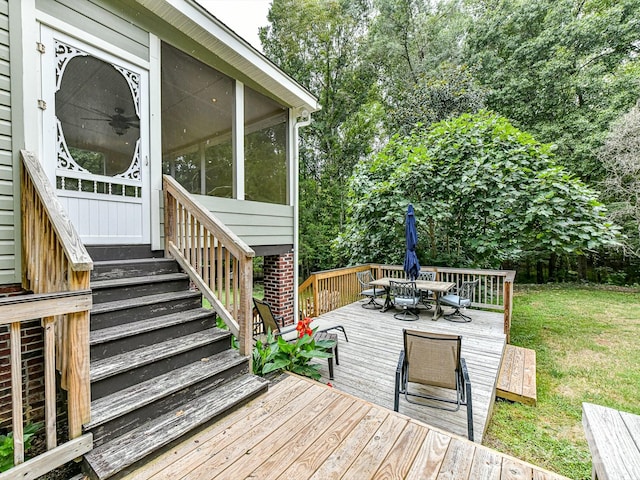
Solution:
(216, 259)
(75, 251)
(330, 289)
(56, 268)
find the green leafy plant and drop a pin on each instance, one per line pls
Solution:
(6, 445)
(274, 354)
(223, 326)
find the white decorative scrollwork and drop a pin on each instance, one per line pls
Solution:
(133, 79)
(64, 53)
(133, 172)
(65, 159)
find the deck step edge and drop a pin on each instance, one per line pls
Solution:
(129, 399)
(110, 334)
(123, 452)
(107, 367)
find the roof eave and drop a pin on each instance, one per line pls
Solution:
(196, 22)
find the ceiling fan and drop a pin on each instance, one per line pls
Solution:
(118, 121)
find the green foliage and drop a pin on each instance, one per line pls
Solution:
(560, 69)
(274, 354)
(620, 158)
(321, 44)
(483, 191)
(6, 445)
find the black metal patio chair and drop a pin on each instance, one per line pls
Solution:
(289, 332)
(460, 300)
(370, 291)
(433, 360)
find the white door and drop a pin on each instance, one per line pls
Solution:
(96, 140)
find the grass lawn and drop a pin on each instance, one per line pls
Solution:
(586, 343)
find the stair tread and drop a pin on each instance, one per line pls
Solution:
(133, 261)
(144, 300)
(123, 282)
(107, 367)
(126, 400)
(122, 452)
(109, 334)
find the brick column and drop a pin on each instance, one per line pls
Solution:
(278, 285)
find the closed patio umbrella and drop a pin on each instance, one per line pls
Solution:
(411, 263)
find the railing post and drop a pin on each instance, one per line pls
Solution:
(245, 340)
(316, 296)
(508, 304)
(169, 220)
(78, 378)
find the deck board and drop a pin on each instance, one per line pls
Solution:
(517, 378)
(323, 433)
(368, 361)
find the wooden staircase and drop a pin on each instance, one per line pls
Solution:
(160, 368)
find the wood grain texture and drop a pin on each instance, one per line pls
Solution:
(368, 361)
(36, 467)
(16, 392)
(614, 441)
(517, 378)
(303, 430)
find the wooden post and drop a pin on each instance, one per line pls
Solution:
(316, 298)
(508, 303)
(78, 380)
(169, 220)
(245, 318)
(48, 324)
(16, 393)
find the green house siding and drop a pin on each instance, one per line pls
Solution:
(7, 218)
(106, 21)
(257, 224)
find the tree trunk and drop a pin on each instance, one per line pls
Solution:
(539, 272)
(582, 267)
(553, 266)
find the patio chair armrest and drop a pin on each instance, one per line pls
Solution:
(469, 403)
(399, 381)
(400, 366)
(279, 320)
(465, 374)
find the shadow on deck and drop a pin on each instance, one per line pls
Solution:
(368, 361)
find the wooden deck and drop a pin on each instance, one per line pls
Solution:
(302, 429)
(517, 379)
(368, 361)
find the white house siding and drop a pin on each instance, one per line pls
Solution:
(7, 219)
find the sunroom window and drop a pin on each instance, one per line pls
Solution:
(265, 148)
(197, 120)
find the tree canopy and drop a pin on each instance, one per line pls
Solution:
(561, 70)
(484, 192)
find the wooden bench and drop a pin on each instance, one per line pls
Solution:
(614, 441)
(517, 378)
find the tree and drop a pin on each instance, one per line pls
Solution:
(417, 46)
(620, 158)
(319, 44)
(484, 193)
(560, 69)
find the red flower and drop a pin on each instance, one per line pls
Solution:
(303, 327)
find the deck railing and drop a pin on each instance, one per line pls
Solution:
(217, 260)
(330, 289)
(327, 290)
(56, 268)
